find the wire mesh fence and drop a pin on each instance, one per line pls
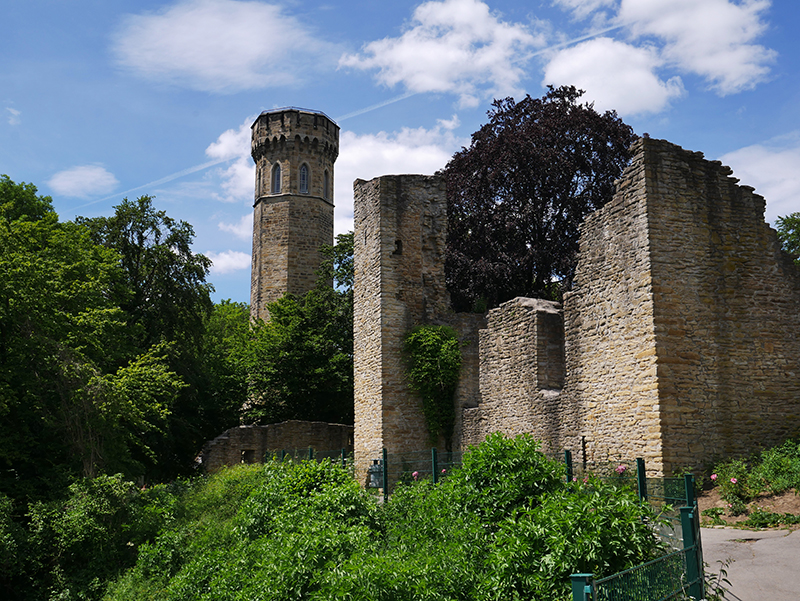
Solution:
(658, 580)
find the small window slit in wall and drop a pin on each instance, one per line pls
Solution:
(398, 247)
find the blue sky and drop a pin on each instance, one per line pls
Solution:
(103, 99)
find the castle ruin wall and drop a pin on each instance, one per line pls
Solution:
(679, 341)
(727, 312)
(400, 227)
(521, 373)
(612, 377)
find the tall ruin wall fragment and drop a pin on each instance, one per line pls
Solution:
(680, 340)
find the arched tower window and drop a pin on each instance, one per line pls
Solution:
(326, 185)
(276, 179)
(304, 179)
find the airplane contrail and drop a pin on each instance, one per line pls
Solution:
(376, 106)
(157, 182)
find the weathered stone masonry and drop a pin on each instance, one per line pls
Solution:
(680, 339)
(292, 213)
(249, 444)
(400, 224)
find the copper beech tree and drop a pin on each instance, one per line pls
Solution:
(517, 196)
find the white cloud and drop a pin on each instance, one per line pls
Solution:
(232, 143)
(454, 46)
(583, 8)
(228, 261)
(219, 45)
(419, 150)
(773, 169)
(615, 75)
(13, 118)
(243, 229)
(712, 38)
(239, 177)
(83, 181)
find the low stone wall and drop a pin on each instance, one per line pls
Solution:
(249, 444)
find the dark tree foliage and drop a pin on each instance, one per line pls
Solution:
(518, 194)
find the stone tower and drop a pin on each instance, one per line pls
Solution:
(294, 150)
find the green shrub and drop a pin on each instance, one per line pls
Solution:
(593, 527)
(779, 468)
(503, 474)
(773, 471)
(504, 526)
(761, 518)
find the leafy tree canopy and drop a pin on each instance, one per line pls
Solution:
(75, 397)
(164, 286)
(518, 194)
(300, 362)
(789, 234)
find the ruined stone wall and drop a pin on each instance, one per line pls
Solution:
(400, 227)
(249, 444)
(726, 311)
(521, 373)
(612, 377)
(680, 339)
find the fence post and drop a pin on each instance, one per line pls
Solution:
(641, 479)
(694, 553)
(568, 463)
(385, 473)
(344, 458)
(688, 483)
(435, 465)
(581, 587)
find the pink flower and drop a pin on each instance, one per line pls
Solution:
(734, 480)
(620, 469)
(713, 477)
(415, 475)
(574, 478)
(444, 471)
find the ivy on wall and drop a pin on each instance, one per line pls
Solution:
(433, 363)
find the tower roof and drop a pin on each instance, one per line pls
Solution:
(295, 109)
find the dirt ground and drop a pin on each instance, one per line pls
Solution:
(788, 502)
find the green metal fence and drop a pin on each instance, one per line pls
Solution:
(676, 575)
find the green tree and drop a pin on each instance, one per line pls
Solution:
(163, 286)
(223, 378)
(517, 196)
(76, 398)
(164, 295)
(789, 234)
(300, 362)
